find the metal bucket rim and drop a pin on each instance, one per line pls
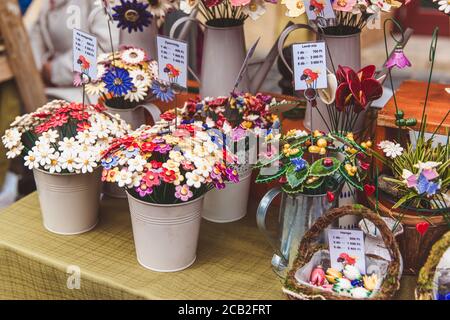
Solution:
(67, 174)
(208, 26)
(356, 34)
(164, 205)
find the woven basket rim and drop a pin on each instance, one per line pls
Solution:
(307, 249)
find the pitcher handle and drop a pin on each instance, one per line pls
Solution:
(261, 215)
(153, 110)
(174, 28)
(284, 36)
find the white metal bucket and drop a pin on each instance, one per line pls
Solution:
(229, 204)
(69, 202)
(112, 190)
(135, 117)
(165, 236)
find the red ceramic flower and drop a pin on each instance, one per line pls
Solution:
(422, 227)
(168, 175)
(168, 115)
(148, 147)
(357, 88)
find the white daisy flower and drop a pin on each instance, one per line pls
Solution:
(188, 5)
(85, 162)
(295, 8)
(14, 151)
(43, 154)
(194, 180)
(203, 168)
(124, 178)
(50, 136)
(11, 138)
(133, 56)
(153, 69)
(140, 77)
(67, 144)
(54, 165)
(444, 6)
(104, 58)
(68, 161)
(137, 93)
(429, 165)
(172, 165)
(255, 9)
(95, 88)
(136, 164)
(86, 137)
(385, 144)
(176, 156)
(393, 150)
(136, 179)
(31, 160)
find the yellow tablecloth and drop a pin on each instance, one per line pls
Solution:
(233, 261)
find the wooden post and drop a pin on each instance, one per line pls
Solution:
(20, 56)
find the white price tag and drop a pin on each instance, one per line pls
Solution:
(319, 9)
(347, 247)
(172, 60)
(85, 53)
(310, 65)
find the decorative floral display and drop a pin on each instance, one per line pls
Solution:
(167, 164)
(135, 15)
(351, 15)
(347, 282)
(63, 137)
(225, 12)
(127, 78)
(235, 115)
(310, 163)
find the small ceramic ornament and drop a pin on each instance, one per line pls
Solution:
(351, 272)
(332, 275)
(342, 285)
(317, 277)
(357, 283)
(370, 282)
(359, 293)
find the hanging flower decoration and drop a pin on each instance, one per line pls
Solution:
(167, 164)
(63, 137)
(398, 59)
(357, 89)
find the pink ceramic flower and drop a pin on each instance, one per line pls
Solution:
(344, 5)
(183, 193)
(239, 3)
(398, 59)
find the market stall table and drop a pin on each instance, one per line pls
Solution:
(233, 260)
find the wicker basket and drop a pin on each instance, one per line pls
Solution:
(424, 290)
(391, 283)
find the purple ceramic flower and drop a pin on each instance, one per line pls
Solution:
(144, 191)
(232, 175)
(398, 59)
(163, 148)
(219, 185)
(411, 181)
(424, 186)
(183, 193)
(430, 174)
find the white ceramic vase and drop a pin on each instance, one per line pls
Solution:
(165, 236)
(69, 202)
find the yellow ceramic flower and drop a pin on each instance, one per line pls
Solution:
(291, 133)
(351, 170)
(370, 282)
(322, 143)
(367, 144)
(314, 149)
(332, 275)
(350, 136)
(247, 124)
(311, 180)
(317, 134)
(351, 150)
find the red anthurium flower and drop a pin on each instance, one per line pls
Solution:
(330, 196)
(369, 189)
(357, 88)
(364, 165)
(422, 227)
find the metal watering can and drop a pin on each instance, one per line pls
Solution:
(223, 55)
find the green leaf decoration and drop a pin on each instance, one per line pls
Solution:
(295, 178)
(405, 198)
(266, 179)
(353, 181)
(316, 184)
(319, 170)
(348, 142)
(287, 189)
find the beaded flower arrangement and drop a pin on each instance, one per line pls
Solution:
(167, 164)
(63, 137)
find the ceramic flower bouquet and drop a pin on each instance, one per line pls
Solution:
(62, 143)
(237, 120)
(226, 12)
(167, 170)
(135, 15)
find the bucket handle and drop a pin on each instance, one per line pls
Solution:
(261, 215)
(175, 26)
(152, 109)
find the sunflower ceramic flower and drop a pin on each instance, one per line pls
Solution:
(63, 137)
(166, 164)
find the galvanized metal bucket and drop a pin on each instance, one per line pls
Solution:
(165, 236)
(135, 117)
(69, 202)
(297, 214)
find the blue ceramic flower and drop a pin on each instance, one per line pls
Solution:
(132, 15)
(299, 164)
(425, 186)
(162, 91)
(118, 81)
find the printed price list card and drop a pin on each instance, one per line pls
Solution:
(347, 246)
(310, 65)
(85, 53)
(172, 60)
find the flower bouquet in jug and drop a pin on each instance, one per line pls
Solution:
(167, 170)
(62, 143)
